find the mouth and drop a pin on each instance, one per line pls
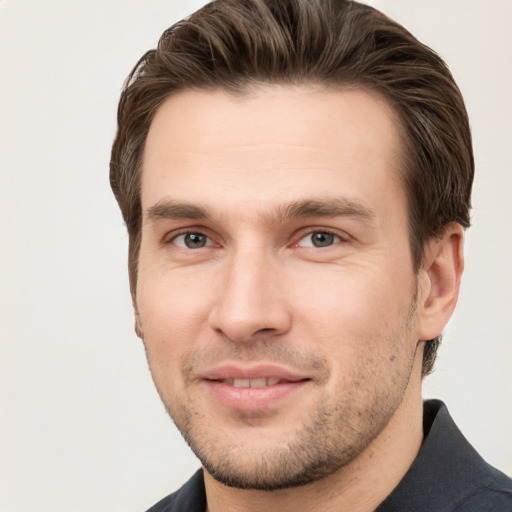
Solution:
(259, 382)
(254, 388)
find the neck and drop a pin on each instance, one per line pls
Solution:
(360, 486)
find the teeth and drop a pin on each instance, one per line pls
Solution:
(242, 383)
(255, 383)
(258, 383)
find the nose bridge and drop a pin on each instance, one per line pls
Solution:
(249, 300)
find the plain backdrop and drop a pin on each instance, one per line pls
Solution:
(81, 426)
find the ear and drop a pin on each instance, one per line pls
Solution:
(440, 281)
(138, 323)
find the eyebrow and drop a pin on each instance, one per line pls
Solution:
(169, 209)
(327, 207)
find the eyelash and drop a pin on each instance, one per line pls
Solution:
(339, 238)
(173, 239)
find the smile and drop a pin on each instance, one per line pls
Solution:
(253, 388)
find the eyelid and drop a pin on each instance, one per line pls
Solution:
(303, 233)
(170, 237)
(208, 242)
(214, 240)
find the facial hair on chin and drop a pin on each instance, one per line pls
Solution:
(332, 435)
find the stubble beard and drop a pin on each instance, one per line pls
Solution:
(329, 441)
(333, 435)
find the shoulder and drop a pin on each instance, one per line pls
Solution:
(487, 499)
(477, 485)
(189, 498)
(448, 474)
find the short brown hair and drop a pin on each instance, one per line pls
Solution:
(232, 44)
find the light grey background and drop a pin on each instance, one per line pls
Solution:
(81, 427)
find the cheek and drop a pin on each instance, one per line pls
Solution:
(171, 298)
(357, 320)
(355, 301)
(172, 314)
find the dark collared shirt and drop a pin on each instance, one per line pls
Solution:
(448, 475)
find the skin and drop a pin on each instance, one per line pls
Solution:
(237, 193)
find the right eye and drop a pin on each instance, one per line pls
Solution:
(191, 240)
(319, 239)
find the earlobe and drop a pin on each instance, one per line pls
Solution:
(442, 271)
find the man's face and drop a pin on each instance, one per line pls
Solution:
(276, 295)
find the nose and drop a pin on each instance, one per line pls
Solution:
(250, 302)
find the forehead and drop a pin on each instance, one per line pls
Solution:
(271, 142)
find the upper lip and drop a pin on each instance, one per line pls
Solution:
(254, 371)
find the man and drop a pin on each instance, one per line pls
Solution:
(295, 177)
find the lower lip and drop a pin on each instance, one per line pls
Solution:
(251, 399)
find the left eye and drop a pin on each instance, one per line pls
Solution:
(192, 240)
(318, 239)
